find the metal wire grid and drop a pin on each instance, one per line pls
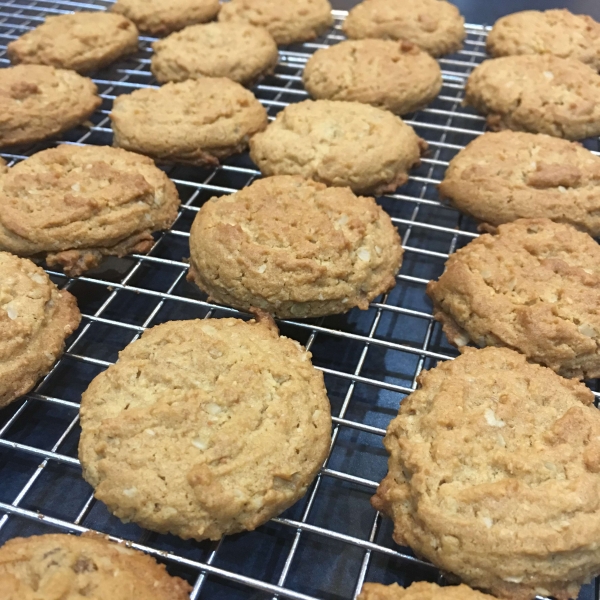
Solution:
(331, 541)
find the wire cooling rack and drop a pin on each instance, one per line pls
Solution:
(332, 540)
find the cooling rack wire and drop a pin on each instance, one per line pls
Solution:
(331, 541)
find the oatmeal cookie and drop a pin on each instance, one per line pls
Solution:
(204, 428)
(505, 176)
(287, 21)
(73, 205)
(419, 590)
(534, 287)
(35, 319)
(53, 566)
(81, 41)
(494, 475)
(539, 93)
(38, 102)
(294, 248)
(345, 144)
(238, 51)
(436, 26)
(194, 121)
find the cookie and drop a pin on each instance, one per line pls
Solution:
(436, 26)
(73, 205)
(345, 144)
(35, 319)
(204, 428)
(556, 31)
(3, 167)
(294, 248)
(38, 102)
(494, 474)
(505, 176)
(159, 17)
(53, 566)
(238, 51)
(538, 93)
(288, 21)
(384, 73)
(81, 41)
(419, 590)
(534, 287)
(196, 121)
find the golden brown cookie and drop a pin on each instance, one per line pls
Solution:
(205, 428)
(294, 248)
(534, 287)
(238, 51)
(345, 144)
(194, 121)
(384, 73)
(81, 41)
(37, 102)
(73, 205)
(35, 319)
(556, 31)
(419, 590)
(66, 567)
(505, 176)
(287, 21)
(539, 93)
(159, 17)
(436, 26)
(494, 475)
(3, 167)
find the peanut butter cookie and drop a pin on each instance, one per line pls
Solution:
(420, 590)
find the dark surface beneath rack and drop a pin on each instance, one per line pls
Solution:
(331, 541)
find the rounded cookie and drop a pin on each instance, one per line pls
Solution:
(81, 41)
(294, 248)
(35, 319)
(534, 287)
(73, 205)
(194, 121)
(556, 31)
(238, 51)
(159, 17)
(288, 21)
(436, 26)
(52, 566)
(344, 144)
(37, 102)
(384, 73)
(509, 175)
(494, 475)
(204, 428)
(537, 93)
(420, 590)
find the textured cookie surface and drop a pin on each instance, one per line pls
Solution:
(160, 17)
(294, 248)
(38, 101)
(501, 177)
(194, 121)
(385, 73)
(537, 93)
(556, 31)
(419, 590)
(238, 51)
(339, 144)
(76, 204)
(534, 287)
(80, 41)
(494, 475)
(287, 21)
(205, 428)
(66, 567)
(35, 320)
(436, 26)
